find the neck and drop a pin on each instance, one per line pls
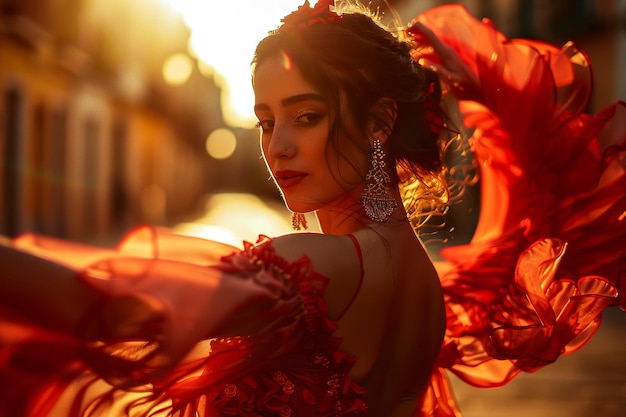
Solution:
(341, 219)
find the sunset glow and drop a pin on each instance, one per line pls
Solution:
(223, 36)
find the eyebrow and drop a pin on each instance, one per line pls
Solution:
(292, 100)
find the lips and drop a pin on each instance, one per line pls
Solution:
(288, 178)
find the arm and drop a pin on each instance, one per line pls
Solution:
(118, 301)
(46, 293)
(48, 281)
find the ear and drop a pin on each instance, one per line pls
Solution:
(382, 119)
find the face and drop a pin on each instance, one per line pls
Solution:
(295, 121)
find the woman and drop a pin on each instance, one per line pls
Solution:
(347, 322)
(326, 137)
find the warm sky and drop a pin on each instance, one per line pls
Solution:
(224, 38)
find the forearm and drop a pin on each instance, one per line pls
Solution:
(44, 292)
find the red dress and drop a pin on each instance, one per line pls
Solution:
(549, 251)
(531, 285)
(287, 364)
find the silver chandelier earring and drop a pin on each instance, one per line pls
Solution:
(376, 199)
(298, 221)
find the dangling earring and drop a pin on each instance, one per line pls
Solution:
(298, 221)
(376, 199)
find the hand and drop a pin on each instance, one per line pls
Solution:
(461, 80)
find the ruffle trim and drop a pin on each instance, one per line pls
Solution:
(318, 383)
(547, 255)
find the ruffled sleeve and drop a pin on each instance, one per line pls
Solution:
(179, 318)
(548, 252)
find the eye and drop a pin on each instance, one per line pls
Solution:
(308, 118)
(266, 126)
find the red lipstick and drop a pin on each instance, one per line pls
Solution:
(286, 178)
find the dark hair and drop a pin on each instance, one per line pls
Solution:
(361, 67)
(353, 59)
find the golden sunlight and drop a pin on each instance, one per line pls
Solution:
(227, 219)
(223, 36)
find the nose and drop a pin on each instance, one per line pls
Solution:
(281, 145)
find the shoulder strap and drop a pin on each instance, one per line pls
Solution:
(358, 288)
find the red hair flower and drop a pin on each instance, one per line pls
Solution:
(306, 15)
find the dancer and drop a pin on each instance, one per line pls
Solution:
(354, 320)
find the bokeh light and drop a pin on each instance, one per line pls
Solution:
(221, 143)
(177, 69)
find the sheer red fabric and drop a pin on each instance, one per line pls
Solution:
(549, 251)
(282, 360)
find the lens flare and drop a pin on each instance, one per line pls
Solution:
(285, 60)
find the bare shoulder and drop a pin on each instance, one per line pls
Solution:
(330, 254)
(333, 256)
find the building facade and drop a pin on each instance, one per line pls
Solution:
(92, 140)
